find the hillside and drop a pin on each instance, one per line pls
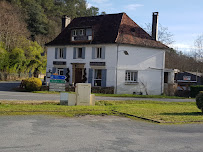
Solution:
(26, 25)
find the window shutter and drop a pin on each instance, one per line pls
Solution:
(64, 71)
(56, 52)
(53, 70)
(64, 53)
(74, 53)
(103, 52)
(83, 53)
(93, 52)
(103, 81)
(90, 76)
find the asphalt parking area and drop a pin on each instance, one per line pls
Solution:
(95, 133)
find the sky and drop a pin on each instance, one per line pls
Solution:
(183, 18)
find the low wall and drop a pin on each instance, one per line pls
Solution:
(104, 90)
(12, 76)
(170, 89)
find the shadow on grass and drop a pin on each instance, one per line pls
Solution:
(184, 114)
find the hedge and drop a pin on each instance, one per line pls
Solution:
(195, 90)
(32, 84)
(199, 101)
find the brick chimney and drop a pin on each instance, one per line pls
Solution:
(65, 21)
(155, 25)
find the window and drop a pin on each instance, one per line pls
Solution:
(74, 32)
(97, 77)
(60, 53)
(98, 53)
(131, 76)
(60, 71)
(79, 53)
(82, 32)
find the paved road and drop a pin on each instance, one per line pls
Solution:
(95, 134)
(6, 93)
(8, 85)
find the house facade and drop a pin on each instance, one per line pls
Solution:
(108, 51)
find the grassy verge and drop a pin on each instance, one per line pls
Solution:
(120, 95)
(138, 96)
(164, 112)
(52, 109)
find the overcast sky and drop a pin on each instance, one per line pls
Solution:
(183, 18)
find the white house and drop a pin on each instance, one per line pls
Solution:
(109, 51)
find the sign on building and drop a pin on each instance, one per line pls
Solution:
(187, 78)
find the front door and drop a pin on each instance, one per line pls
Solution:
(78, 75)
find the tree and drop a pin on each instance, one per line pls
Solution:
(164, 35)
(17, 60)
(198, 48)
(4, 57)
(92, 11)
(37, 20)
(12, 25)
(103, 13)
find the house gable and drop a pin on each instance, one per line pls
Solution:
(131, 33)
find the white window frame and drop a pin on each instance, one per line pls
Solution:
(59, 70)
(131, 76)
(98, 53)
(82, 32)
(77, 53)
(94, 79)
(60, 53)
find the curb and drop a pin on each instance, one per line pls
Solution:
(126, 114)
(151, 120)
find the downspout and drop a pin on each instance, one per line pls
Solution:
(116, 88)
(162, 74)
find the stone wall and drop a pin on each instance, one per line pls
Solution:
(12, 76)
(170, 89)
(104, 90)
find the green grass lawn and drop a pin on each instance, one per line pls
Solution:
(161, 111)
(119, 95)
(52, 109)
(164, 112)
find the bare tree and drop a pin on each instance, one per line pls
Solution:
(164, 35)
(12, 25)
(198, 48)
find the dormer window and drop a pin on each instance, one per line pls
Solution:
(82, 32)
(74, 32)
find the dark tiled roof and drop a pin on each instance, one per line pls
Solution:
(107, 29)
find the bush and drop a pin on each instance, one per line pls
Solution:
(199, 101)
(32, 84)
(195, 90)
